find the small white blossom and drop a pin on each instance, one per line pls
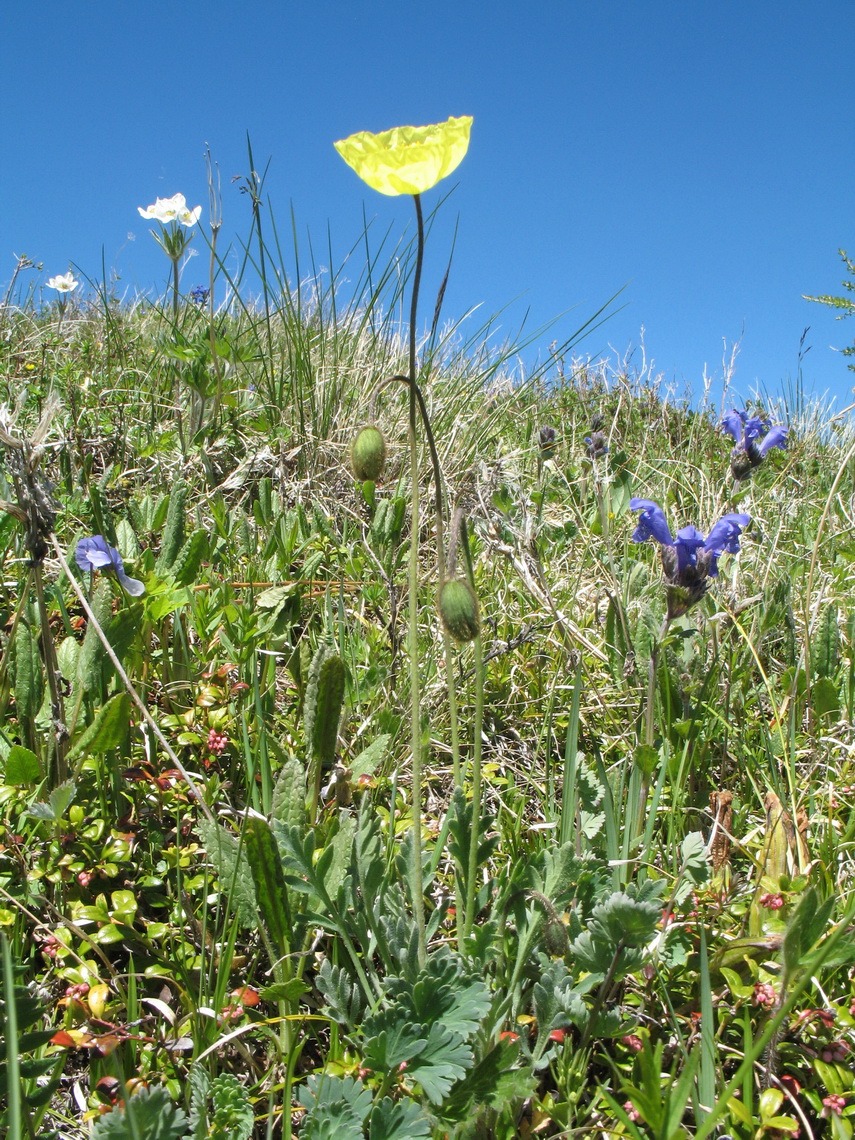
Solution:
(63, 283)
(174, 209)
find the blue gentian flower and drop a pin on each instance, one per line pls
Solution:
(754, 437)
(199, 294)
(96, 554)
(688, 560)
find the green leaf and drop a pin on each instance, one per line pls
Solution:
(58, 802)
(231, 1112)
(266, 865)
(28, 677)
(324, 700)
(806, 926)
(391, 1041)
(694, 867)
(22, 767)
(290, 991)
(443, 1061)
(494, 1083)
(398, 1120)
(646, 757)
(173, 531)
(188, 563)
(370, 758)
(342, 845)
(336, 1107)
(825, 644)
(108, 729)
(444, 993)
(825, 697)
(342, 996)
(289, 795)
(233, 871)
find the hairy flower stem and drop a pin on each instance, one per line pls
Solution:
(175, 290)
(475, 836)
(441, 570)
(417, 884)
(447, 645)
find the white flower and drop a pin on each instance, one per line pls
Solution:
(172, 209)
(63, 283)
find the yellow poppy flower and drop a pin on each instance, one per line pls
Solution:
(407, 160)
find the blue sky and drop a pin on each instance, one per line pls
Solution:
(698, 154)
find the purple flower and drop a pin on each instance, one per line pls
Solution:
(595, 445)
(651, 522)
(754, 437)
(96, 554)
(688, 560)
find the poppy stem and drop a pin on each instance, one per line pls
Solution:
(417, 883)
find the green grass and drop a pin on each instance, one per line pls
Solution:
(247, 953)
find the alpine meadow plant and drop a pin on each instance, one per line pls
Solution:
(754, 439)
(176, 221)
(65, 284)
(411, 160)
(95, 553)
(689, 561)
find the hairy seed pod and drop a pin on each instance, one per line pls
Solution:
(458, 609)
(368, 454)
(555, 938)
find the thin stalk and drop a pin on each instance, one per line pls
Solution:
(441, 569)
(175, 290)
(472, 870)
(417, 884)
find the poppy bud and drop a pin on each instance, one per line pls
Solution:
(458, 609)
(368, 454)
(555, 938)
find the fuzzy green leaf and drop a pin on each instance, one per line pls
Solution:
(289, 795)
(266, 865)
(22, 767)
(233, 871)
(108, 729)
